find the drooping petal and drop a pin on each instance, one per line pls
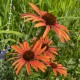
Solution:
(29, 19)
(66, 37)
(43, 58)
(26, 15)
(40, 24)
(12, 58)
(41, 66)
(55, 52)
(17, 49)
(41, 51)
(62, 27)
(35, 8)
(18, 60)
(58, 32)
(12, 53)
(46, 31)
(55, 73)
(38, 48)
(61, 71)
(38, 19)
(18, 64)
(46, 40)
(21, 45)
(28, 68)
(26, 46)
(53, 49)
(21, 65)
(50, 55)
(50, 42)
(43, 13)
(36, 45)
(59, 65)
(34, 65)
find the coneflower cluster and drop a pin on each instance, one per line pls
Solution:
(40, 54)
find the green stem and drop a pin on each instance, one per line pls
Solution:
(68, 18)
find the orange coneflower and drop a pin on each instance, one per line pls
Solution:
(50, 50)
(49, 21)
(29, 56)
(57, 68)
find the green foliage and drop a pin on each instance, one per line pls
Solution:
(13, 29)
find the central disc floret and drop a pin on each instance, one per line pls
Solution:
(49, 18)
(53, 65)
(28, 55)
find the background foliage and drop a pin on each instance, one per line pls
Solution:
(13, 29)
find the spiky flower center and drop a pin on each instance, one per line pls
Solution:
(44, 45)
(28, 55)
(49, 18)
(53, 65)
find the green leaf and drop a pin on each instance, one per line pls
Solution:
(0, 22)
(71, 61)
(6, 40)
(79, 37)
(11, 32)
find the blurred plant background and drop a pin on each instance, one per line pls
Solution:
(13, 29)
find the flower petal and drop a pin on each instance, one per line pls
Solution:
(40, 24)
(28, 68)
(46, 31)
(40, 65)
(43, 58)
(21, 45)
(38, 48)
(35, 8)
(12, 53)
(62, 27)
(43, 13)
(41, 51)
(55, 73)
(50, 42)
(26, 46)
(12, 58)
(34, 65)
(61, 71)
(20, 66)
(58, 32)
(66, 37)
(17, 49)
(53, 49)
(38, 19)
(50, 55)
(18, 60)
(29, 19)
(25, 15)
(46, 40)
(36, 45)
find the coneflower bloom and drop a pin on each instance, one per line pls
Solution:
(57, 68)
(29, 56)
(50, 50)
(48, 21)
